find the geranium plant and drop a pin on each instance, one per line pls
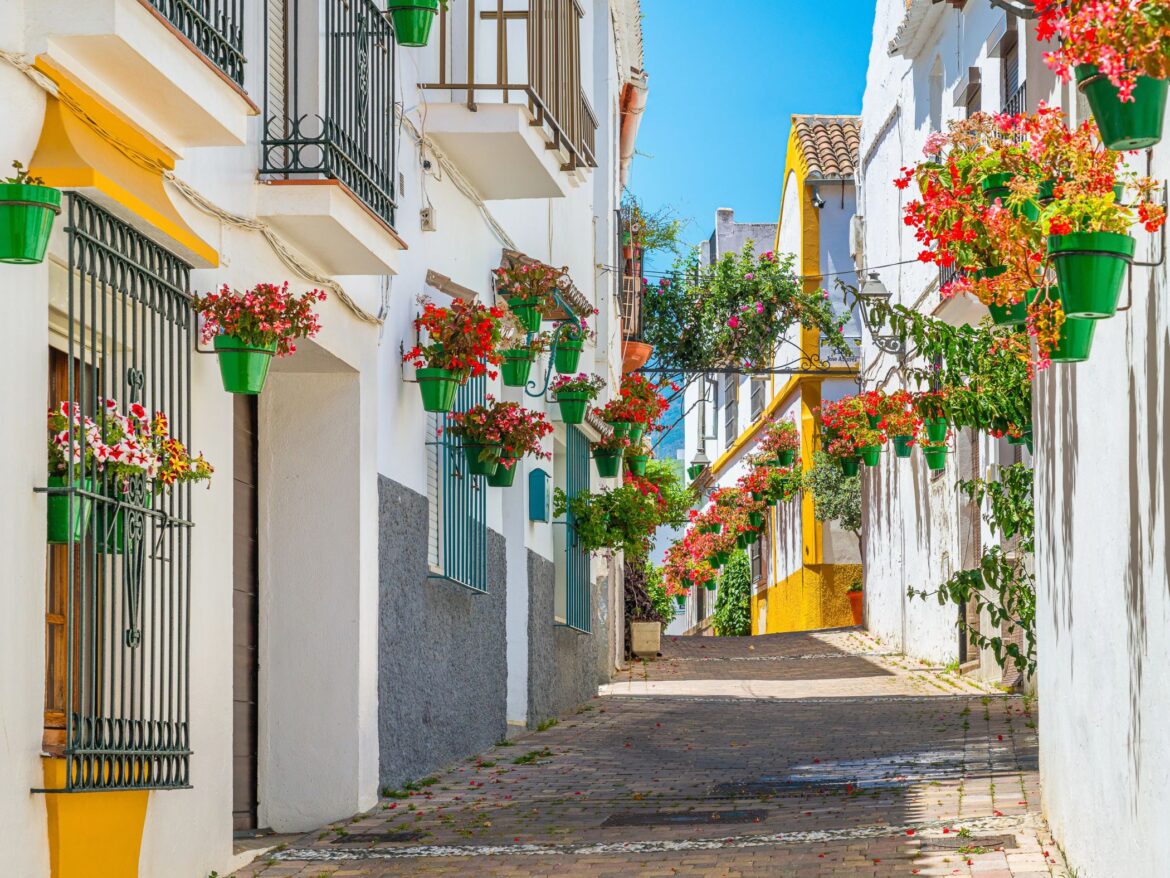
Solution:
(780, 440)
(265, 316)
(530, 282)
(583, 383)
(462, 340)
(500, 430)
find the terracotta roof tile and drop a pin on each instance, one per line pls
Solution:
(829, 143)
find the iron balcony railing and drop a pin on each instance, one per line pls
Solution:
(551, 75)
(1017, 101)
(329, 98)
(214, 27)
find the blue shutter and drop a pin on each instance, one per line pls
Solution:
(578, 604)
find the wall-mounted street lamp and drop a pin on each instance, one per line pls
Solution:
(873, 295)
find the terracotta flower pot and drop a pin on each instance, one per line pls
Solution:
(856, 605)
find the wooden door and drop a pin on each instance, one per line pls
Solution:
(245, 612)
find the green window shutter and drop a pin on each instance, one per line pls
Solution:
(578, 607)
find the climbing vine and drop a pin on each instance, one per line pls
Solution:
(733, 606)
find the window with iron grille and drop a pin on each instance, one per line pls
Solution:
(759, 396)
(730, 409)
(457, 534)
(214, 27)
(578, 601)
(117, 695)
(329, 101)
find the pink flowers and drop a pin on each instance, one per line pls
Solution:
(733, 322)
(263, 315)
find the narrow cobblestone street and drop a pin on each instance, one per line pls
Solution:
(785, 755)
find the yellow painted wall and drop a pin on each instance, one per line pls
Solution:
(813, 597)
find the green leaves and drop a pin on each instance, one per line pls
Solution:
(733, 606)
(836, 496)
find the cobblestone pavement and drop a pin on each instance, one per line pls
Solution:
(786, 755)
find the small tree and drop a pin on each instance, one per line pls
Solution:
(733, 607)
(836, 496)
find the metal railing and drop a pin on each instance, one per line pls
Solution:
(119, 614)
(215, 27)
(1017, 101)
(552, 38)
(632, 294)
(329, 101)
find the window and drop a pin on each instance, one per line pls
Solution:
(757, 556)
(118, 589)
(730, 409)
(457, 534)
(578, 603)
(759, 396)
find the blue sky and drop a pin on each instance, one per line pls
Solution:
(725, 78)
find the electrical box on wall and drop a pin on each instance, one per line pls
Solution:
(538, 495)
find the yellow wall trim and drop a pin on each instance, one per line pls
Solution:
(814, 597)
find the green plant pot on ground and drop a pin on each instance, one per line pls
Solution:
(1090, 270)
(637, 463)
(26, 221)
(438, 388)
(903, 446)
(851, 465)
(68, 519)
(504, 477)
(871, 454)
(516, 367)
(785, 458)
(1135, 124)
(527, 311)
(243, 368)
(412, 20)
(573, 404)
(482, 460)
(568, 355)
(609, 463)
(936, 457)
(1076, 341)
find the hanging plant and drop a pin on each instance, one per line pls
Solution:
(637, 456)
(608, 454)
(462, 342)
(413, 20)
(900, 421)
(27, 210)
(780, 441)
(574, 393)
(248, 328)
(528, 288)
(495, 435)
(847, 421)
(570, 344)
(517, 354)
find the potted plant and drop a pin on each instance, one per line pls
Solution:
(936, 455)
(413, 20)
(248, 328)
(931, 407)
(570, 342)
(508, 426)
(27, 209)
(517, 354)
(637, 458)
(528, 287)
(643, 403)
(574, 393)
(1120, 53)
(462, 342)
(900, 421)
(72, 440)
(856, 602)
(608, 453)
(617, 414)
(781, 441)
(852, 436)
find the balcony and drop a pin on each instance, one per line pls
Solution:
(510, 110)
(328, 160)
(174, 68)
(635, 352)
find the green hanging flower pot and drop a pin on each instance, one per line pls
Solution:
(936, 457)
(709, 585)
(68, 520)
(438, 388)
(1025, 438)
(573, 404)
(1009, 315)
(742, 541)
(527, 311)
(903, 446)
(505, 476)
(936, 429)
(482, 460)
(412, 20)
(786, 458)
(996, 186)
(874, 420)
(719, 559)
(516, 367)
(871, 454)
(109, 524)
(756, 519)
(1090, 270)
(1135, 124)
(243, 367)
(709, 529)
(1076, 341)
(621, 429)
(694, 471)
(568, 354)
(750, 537)
(637, 431)
(680, 600)
(609, 463)
(637, 463)
(851, 465)
(26, 220)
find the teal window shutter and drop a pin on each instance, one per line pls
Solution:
(578, 606)
(538, 495)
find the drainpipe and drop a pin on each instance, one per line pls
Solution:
(633, 104)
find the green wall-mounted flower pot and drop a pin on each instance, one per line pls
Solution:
(786, 458)
(412, 20)
(694, 471)
(527, 311)
(742, 541)
(1135, 124)
(903, 446)
(936, 457)
(709, 529)
(516, 367)
(851, 465)
(621, 429)
(1090, 270)
(680, 600)
(438, 388)
(1025, 438)
(482, 460)
(637, 431)
(505, 476)
(573, 404)
(609, 463)
(936, 429)
(66, 519)
(709, 585)
(996, 186)
(756, 519)
(750, 537)
(1076, 341)
(637, 463)
(871, 454)
(26, 220)
(874, 420)
(568, 354)
(1009, 315)
(243, 367)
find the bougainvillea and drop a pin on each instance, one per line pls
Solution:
(264, 315)
(464, 338)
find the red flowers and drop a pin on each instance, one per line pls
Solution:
(463, 338)
(517, 430)
(640, 401)
(260, 316)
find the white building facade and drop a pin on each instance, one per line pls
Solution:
(339, 611)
